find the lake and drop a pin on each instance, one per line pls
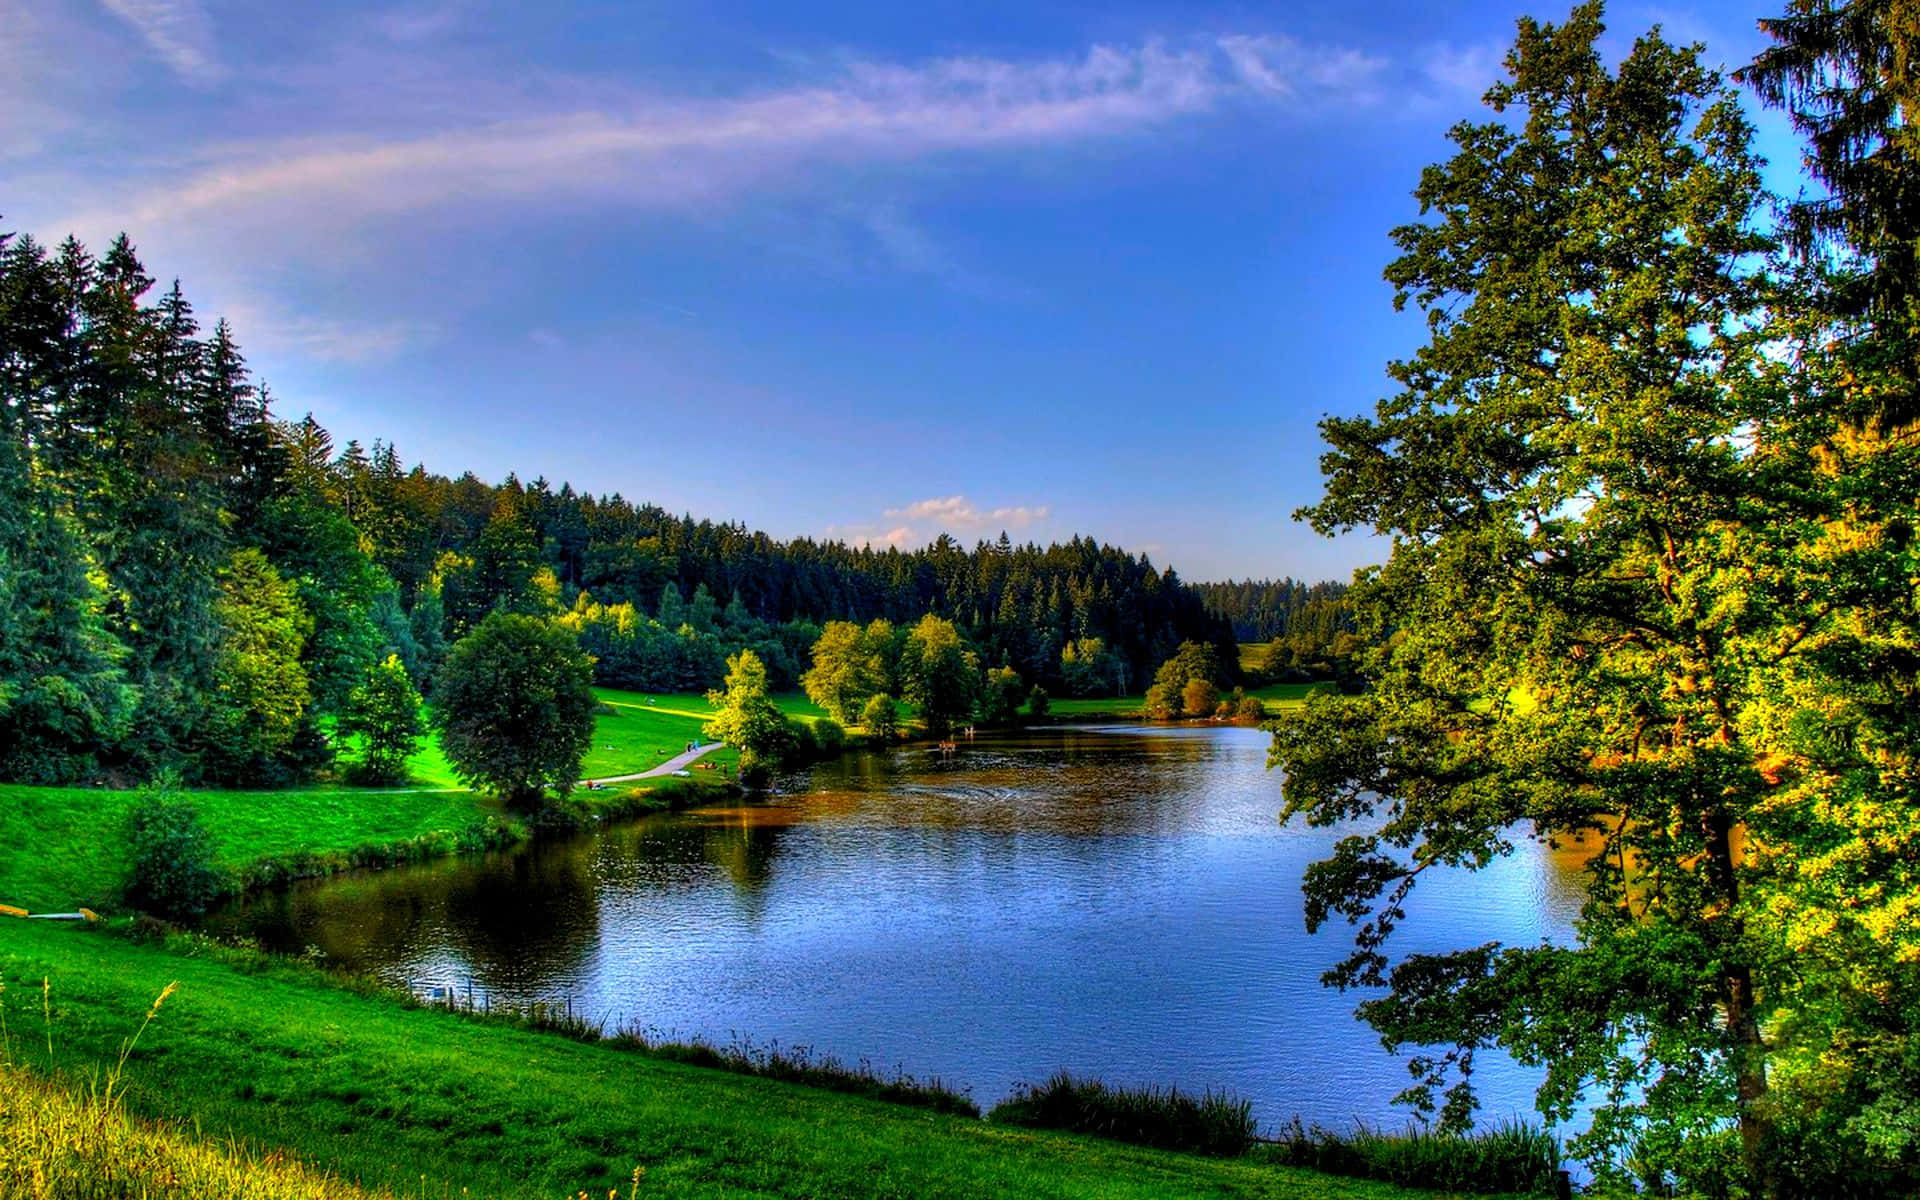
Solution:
(1118, 901)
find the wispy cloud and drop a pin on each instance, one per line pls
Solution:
(323, 339)
(651, 150)
(178, 32)
(1465, 71)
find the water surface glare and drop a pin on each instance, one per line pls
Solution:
(1118, 901)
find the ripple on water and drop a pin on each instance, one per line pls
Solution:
(1116, 901)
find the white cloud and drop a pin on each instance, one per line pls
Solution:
(179, 34)
(958, 512)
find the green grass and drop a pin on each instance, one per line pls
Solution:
(372, 1090)
(1276, 696)
(1253, 657)
(61, 847)
(83, 1144)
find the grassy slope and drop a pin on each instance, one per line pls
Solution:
(59, 1143)
(396, 1096)
(60, 847)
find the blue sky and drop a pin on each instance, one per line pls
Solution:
(869, 271)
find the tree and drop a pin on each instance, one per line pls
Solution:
(513, 704)
(1844, 70)
(1039, 704)
(881, 718)
(1000, 697)
(747, 719)
(1192, 661)
(1091, 669)
(940, 673)
(260, 691)
(1600, 506)
(384, 712)
(850, 664)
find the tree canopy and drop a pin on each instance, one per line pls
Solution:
(1643, 601)
(513, 704)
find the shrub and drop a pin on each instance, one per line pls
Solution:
(1250, 710)
(1038, 703)
(170, 871)
(1169, 1119)
(1199, 698)
(829, 736)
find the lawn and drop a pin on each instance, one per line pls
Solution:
(60, 847)
(429, 1102)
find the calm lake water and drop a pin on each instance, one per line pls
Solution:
(1117, 901)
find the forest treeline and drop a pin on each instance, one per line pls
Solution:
(188, 582)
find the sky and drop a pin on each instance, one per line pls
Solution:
(868, 271)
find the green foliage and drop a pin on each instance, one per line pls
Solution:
(1193, 661)
(940, 673)
(851, 664)
(1089, 669)
(1213, 1124)
(63, 696)
(254, 714)
(319, 549)
(384, 712)
(880, 717)
(170, 867)
(747, 719)
(513, 704)
(1645, 565)
(829, 737)
(1199, 698)
(1000, 697)
(1039, 704)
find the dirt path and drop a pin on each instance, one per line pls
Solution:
(676, 763)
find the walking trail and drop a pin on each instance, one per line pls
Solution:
(668, 767)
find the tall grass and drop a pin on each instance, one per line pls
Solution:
(1513, 1157)
(82, 1144)
(1166, 1118)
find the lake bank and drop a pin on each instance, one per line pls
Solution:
(396, 1095)
(1116, 901)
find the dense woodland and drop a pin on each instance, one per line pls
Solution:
(188, 582)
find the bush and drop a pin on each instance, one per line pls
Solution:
(1168, 1119)
(170, 871)
(1250, 710)
(829, 736)
(1199, 698)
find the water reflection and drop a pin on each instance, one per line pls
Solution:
(1117, 902)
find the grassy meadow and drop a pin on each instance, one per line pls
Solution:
(373, 1091)
(63, 845)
